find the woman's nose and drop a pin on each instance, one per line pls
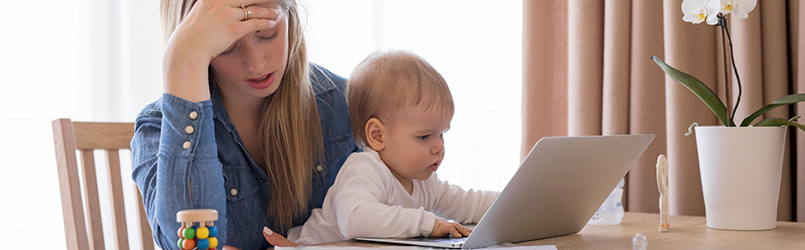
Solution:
(253, 59)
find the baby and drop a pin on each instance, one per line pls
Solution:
(399, 109)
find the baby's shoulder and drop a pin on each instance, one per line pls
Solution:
(364, 171)
(363, 162)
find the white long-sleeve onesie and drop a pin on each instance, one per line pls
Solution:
(366, 200)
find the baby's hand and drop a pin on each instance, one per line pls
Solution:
(442, 228)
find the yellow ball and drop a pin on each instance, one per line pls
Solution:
(213, 242)
(202, 233)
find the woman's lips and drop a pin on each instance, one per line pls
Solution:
(261, 83)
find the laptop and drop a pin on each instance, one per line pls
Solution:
(556, 190)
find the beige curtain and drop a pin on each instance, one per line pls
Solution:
(587, 71)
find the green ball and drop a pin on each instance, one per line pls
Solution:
(180, 243)
(189, 233)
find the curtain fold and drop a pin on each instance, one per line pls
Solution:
(647, 102)
(544, 71)
(584, 59)
(591, 74)
(615, 98)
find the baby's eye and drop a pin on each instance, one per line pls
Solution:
(423, 137)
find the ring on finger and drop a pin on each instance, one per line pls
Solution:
(247, 13)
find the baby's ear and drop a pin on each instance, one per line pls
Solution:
(375, 134)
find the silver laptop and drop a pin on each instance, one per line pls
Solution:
(558, 187)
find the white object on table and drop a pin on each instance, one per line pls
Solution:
(662, 185)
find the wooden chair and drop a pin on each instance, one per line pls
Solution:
(86, 137)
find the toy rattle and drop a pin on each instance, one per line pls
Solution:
(197, 231)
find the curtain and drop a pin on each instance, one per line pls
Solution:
(587, 71)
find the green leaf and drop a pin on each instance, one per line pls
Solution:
(785, 100)
(697, 87)
(779, 122)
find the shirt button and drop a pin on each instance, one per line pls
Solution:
(193, 115)
(189, 129)
(319, 168)
(233, 192)
(186, 145)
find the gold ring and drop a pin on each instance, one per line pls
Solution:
(247, 13)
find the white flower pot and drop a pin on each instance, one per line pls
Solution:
(741, 168)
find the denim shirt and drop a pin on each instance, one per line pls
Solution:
(189, 155)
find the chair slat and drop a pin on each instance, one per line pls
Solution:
(118, 207)
(69, 186)
(92, 207)
(95, 135)
(145, 230)
(85, 137)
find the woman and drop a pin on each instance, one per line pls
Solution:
(246, 126)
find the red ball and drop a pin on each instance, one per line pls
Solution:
(180, 232)
(189, 244)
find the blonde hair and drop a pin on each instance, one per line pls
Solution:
(290, 126)
(388, 82)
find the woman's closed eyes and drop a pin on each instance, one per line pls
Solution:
(258, 36)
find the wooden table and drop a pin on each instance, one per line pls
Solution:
(687, 232)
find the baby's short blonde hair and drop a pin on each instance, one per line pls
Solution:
(386, 83)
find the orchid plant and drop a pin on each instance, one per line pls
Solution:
(714, 13)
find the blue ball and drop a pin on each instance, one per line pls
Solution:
(203, 244)
(213, 231)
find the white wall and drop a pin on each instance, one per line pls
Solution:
(475, 45)
(100, 60)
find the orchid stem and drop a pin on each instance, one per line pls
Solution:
(722, 23)
(734, 69)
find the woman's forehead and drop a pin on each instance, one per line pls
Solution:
(269, 4)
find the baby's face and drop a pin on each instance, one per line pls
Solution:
(415, 143)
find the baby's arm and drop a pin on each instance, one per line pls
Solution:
(361, 188)
(450, 201)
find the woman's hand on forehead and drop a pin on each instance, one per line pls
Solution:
(269, 4)
(207, 30)
(231, 21)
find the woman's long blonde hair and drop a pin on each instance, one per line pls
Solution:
(290, 127)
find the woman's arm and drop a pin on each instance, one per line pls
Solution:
(177, 170)
(175, 158)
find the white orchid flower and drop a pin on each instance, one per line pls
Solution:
(695, 10)
(741, 8)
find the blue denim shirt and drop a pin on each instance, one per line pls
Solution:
(209, 167)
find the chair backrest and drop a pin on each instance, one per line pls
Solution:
(86, 137)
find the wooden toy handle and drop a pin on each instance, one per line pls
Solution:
(197, 215)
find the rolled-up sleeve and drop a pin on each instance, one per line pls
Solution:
(175, 165)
